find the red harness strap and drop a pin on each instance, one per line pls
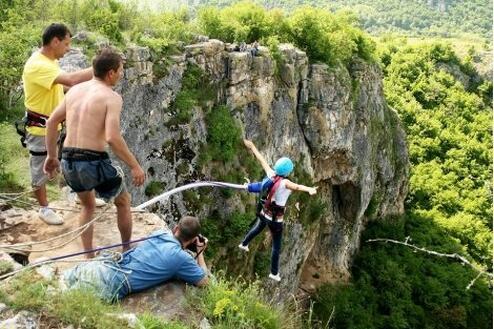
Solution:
(36, 119)
(272, 191)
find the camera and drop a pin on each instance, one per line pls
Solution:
(193, 246)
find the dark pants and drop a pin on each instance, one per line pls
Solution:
(276, 229)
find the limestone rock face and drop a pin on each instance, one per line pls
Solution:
(74, 60)
(165, 301)
(332, 121)
(22, 320)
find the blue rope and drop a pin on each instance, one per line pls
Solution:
(103, 248)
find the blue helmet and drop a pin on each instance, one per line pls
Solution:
(283, 167)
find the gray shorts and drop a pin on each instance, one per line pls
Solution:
(36, 144)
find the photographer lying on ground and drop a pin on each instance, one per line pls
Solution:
(154, 261)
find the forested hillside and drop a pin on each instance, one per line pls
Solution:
(446, 111)
(415, 17)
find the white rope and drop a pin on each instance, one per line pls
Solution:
(84, 227)
(75, 231)
(165, 195)
(68, 209)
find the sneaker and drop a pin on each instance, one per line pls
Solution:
(244, 248)
(276, 277)
(49, 216)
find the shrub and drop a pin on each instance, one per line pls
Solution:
(5, 267)
(154, 188)
(325, 36)
(196, 90)
(149, 321)
(237, 304)
(223, 134)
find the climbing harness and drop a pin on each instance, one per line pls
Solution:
(265, 204)
(30, 119)
(34, 119)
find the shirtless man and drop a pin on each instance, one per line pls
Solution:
(92, 113)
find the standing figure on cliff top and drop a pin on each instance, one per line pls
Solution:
(275, 190)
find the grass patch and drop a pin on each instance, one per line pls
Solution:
(14, 160)
(5, 267)
(149, 321)
(26, 291)
(84, 309)
(14, 164)
(228, 304)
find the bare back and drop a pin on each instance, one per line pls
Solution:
(86, 110)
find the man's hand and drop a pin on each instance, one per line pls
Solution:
(51, 167)
(249, 144)
(312, 190)
(138, 176)
(247, 182)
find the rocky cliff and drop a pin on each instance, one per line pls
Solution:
(332, 121)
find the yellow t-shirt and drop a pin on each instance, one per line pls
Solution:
(41, 95)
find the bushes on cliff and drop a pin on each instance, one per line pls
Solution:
(196, 90)
(223, 134)
(326, 37)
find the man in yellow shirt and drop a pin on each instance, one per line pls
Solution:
(44, 84)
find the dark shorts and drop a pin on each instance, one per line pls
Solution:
(87, 170)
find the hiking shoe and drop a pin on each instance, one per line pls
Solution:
(244, 248)
(276, 277)
(49, 216)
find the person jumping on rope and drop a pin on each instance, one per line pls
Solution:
(275, 190)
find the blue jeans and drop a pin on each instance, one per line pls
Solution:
(85, 170)
(276, 229)
(104, 277)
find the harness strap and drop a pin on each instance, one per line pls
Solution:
(36, 119)
(77, 154)
(34, 153)
(272, 191)
(20, 127)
